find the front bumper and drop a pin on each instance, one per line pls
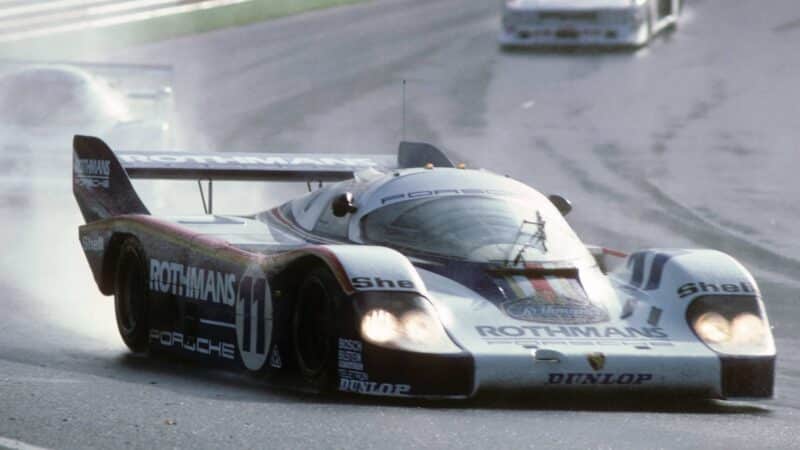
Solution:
(371, 370)
(602, 370)
(554, 370)
(526, 30)
(749, 377)
(571, 37)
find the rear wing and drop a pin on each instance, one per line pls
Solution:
(249, 166)
(102, 186)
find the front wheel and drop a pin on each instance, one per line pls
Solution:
(314, 331)
(130, 295)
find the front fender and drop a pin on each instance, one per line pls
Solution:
(682, 275)
(375, 268)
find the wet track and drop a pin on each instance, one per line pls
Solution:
(692, 142)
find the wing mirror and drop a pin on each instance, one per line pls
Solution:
(343, 205)
(563, 205)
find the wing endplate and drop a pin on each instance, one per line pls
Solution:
(418, 154)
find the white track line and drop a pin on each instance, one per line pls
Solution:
(118, 20)
(62, 16)
(127, 6)
(46, 6)
(17, 445)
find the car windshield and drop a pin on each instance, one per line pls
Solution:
(484, 229)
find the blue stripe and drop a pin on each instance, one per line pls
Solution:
(637, 276)
(656, 270)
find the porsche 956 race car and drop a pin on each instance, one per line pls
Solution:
(581, 22)
(407, 276)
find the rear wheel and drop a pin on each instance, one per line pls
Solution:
(130, 295)
(314, 328)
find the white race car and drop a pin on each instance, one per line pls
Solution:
(412, 280)
(586, 22)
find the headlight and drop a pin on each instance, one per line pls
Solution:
(403, 321)
(713, 328)
(733, 325)
(748, 329)
(380, 326)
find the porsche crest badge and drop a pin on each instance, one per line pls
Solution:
(596, 360)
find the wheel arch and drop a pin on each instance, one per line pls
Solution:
(109, 265)
(671, 273)
(289, 279)
(284, 286)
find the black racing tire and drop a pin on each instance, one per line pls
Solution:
(314, 331)
(130, 295)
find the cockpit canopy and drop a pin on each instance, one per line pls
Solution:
(462, 214)
(475, 228)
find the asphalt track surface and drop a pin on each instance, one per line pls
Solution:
(691, 142)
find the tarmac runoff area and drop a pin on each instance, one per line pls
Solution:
(690, 142)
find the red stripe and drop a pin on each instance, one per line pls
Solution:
(336, 267)
(616, 253)
(542, 287)
(220, 246)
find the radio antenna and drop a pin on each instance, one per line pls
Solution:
(404, 110)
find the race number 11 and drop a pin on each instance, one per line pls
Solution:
(254, 318)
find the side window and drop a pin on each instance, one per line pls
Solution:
(330, 225)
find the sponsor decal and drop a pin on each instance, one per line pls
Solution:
(350, 356)
(352, 377)
(373, 388)
(596, 360)
(545, 331)
(548, 299)
(92, 173)
(347, 374)
(599, 378)
(554, 309)
(351, 364)
(434, 193)
(531, 343)
(192, 282)
(715, 288)
(379, 283)
(204, 346)
(254, 318)
(275, 358)
(249, 160)
(92, 244)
